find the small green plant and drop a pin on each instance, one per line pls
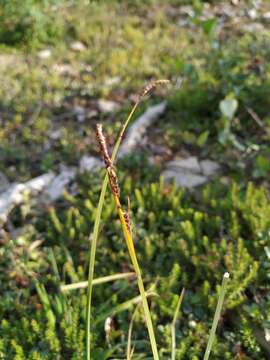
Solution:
(228, 107)
(30, 22)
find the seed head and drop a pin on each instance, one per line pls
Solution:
(113, 181)
(127, 221)
(103, 146)
(151, 86)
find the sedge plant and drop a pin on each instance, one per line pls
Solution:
(126, 227)
(94, 237)
(112, 179)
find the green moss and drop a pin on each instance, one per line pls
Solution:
(189, 242)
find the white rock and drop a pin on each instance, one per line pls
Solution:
(86, 67)
(9, 199)
(58, 184)
(55, 135)
(15, 194)
(183, 22)
(3, 182)
(187, 10)
(91, 113)
(44, 54)
(184, 178)
(209, 167)
(112, 81)
(65, 69)
(266, 15)
(79, 113)
(191, 164)
(252, 13)
(77, 46)
(39, 183)
(88, 163)
(138, 128)
(255, 26)
(190, 172)
(107, 106)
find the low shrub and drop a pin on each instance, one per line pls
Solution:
(182, 240)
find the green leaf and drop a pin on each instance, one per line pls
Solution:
(263, 163)
(203, 138)
(209, 26)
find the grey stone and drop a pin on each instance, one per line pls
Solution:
(112, 81)
(138, 128)
(3, 182)
(77, 46)
(79, 113)
(44, 54)
(58, 184)
(209, 167)
(251, 27)
(183, 178)
(252, 13)
(16, 193)
(65, 69)
(190, 172)
(191, 164)
(55, 135)
(266, 15)
(88, 163)
(107, 106)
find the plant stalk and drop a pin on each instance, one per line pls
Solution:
(225, 280)
(93, 241)
(174, 323)
(132, 253)
(149, 87)
(126, 227)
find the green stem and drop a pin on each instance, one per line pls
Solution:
(217, 315)
(98, 281)
(174, 323)
(134, 260)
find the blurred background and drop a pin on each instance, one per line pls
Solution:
(66, 65)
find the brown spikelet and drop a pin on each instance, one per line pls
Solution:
(103, 146)
(113, 181)
(127, 221)
(107, 160)
(151, 86)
